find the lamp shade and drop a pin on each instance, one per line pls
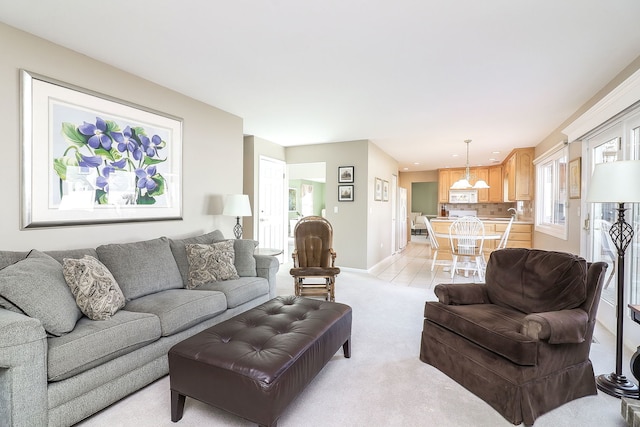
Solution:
(481, 183)
(615, 182)
(461, 184)
(236, 205)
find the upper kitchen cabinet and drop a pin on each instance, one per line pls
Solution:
(518, 175)
(482, 174)
(444, 182)
(496, 185)
(492, 175)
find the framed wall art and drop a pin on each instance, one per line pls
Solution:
(345, 174)
(574, 178)
(88, 158)
(345, 193)
(293, 199)
(385, 191)
(377, 191)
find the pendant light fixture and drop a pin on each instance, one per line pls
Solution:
(463, 183)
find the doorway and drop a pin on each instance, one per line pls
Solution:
(271, 205)
(619, 141)
(306, 186)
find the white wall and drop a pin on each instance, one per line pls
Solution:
(212, 146)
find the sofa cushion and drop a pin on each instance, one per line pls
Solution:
(96, 291)
(210, 263)
(141, 268)
(92, 343)
(243, 260)
(71, 253)
(37, 287)
(179, 309)
(240, 290)
(180, 252)
(535, 281)
(11, 257)
(488, 325)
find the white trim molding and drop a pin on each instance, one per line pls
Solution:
(623, 96)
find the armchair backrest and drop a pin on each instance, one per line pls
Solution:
(313, 237)
(534, 281)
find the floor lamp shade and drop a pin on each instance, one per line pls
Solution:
(617, 182)
(237, 205)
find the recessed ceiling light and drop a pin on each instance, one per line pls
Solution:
(455, 155)
(492, 159)
(406, 169)
(495, 152)
(416, 163)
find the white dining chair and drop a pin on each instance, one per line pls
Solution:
(434, 246)
(466, 236)
(505, 236)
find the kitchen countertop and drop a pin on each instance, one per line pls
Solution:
(486, 219)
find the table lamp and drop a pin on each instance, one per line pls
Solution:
(237, 205)
(617, 182)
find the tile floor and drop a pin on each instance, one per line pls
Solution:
(412, 267)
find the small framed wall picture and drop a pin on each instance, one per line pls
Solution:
(377, 192)
(345, 193)
(574, 179)
(345, 174)
(385, 191)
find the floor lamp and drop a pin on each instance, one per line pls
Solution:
(237, 205)
(617, 182)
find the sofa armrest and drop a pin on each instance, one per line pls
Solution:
(267, 266)
(461, 293)
(557, 327)
(23, 370)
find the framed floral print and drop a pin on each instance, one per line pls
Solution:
(88, 158)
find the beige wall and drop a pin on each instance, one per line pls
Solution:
(362, 228)
(350, 222)
(379, 215)
(542, 240)
(212, 147)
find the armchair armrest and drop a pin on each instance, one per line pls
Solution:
(461, 293)
(557, 327)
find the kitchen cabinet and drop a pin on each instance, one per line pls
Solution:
(492, 175)
(444, 182)
(519, 175)
(496, 184)
(482, 174)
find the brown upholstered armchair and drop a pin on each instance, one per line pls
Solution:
(521, 341)
(314, 271)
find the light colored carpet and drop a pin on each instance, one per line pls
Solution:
(383, 384)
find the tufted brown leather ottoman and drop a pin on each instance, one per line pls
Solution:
(254, 364)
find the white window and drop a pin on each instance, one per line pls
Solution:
(551, 193)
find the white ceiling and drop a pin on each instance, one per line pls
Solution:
(416, 77)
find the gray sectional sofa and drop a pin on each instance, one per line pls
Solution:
(58, 367)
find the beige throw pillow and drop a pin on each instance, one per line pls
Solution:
(210, 263)
(96, 291)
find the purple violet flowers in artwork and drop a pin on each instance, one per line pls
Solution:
(107, 150)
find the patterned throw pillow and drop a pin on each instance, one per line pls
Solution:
(210, 263)
(96, 291)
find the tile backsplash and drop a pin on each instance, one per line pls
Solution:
(524, 209)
